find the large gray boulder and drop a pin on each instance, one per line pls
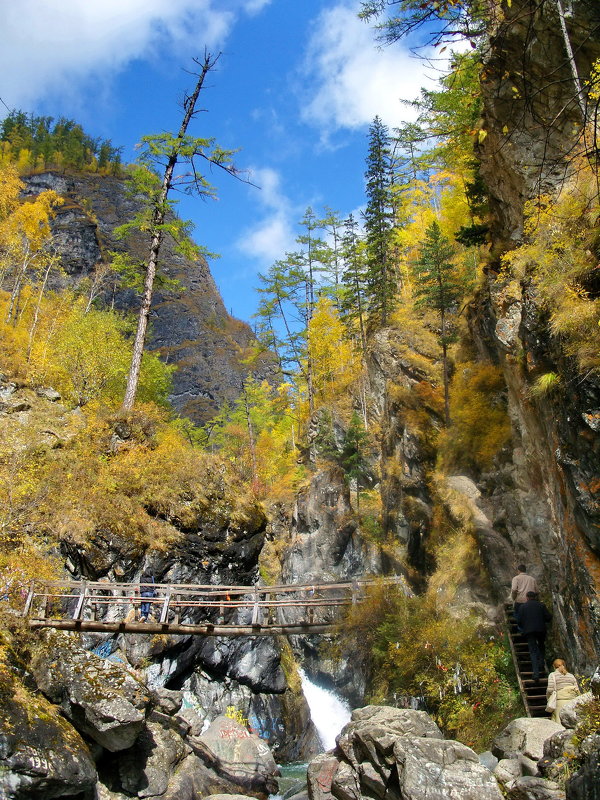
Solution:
(433, 769)
(395, 754)
(320, 775)
(524, 736)
(508, 770)
(41, 755)
(569, 713)
(372, 731)
(239, 756)
(531, 788)
(101, 699)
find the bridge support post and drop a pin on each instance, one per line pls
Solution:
(164, 614)
(78, 613)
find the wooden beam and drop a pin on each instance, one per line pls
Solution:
(206, 629)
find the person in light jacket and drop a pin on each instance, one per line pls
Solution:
(564, 684)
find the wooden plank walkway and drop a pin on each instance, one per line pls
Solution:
(533, 693)
(183, 609)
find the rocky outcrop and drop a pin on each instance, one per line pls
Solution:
(189, 328)
(531, 111)
(402, 370)
(41, 755)
(524, 736)
(323, 541)
(102, 701)
(542, 502)
(397, 753)
(119, 738)
(239, 756)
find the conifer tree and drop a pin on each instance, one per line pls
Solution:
(354, 277)
(438, 287)
(379, 221)
(167, 150)
(333, 256)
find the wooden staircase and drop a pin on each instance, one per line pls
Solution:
(533, 693)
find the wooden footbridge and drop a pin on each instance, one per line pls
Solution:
(183, 609)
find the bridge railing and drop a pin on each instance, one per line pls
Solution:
(180, 605)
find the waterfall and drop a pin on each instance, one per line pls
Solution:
(328, 712)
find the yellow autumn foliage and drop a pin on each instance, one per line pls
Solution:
(561, 256)
(480, 424)
(336, 364)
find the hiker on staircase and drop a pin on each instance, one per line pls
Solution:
(532, 619)
(521, 584)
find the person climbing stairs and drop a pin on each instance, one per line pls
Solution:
(533, 693)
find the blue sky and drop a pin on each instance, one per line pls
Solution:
(296, 87)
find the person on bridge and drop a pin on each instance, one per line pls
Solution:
(521, 584)
(146, 590)
(532, 619)
(562, 687)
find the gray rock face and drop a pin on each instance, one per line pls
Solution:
(489, 760)
(585, 784)
(238, 756)
(530, 788)
(398, 754)
(524, 736)
(539, 501)
(190, 328)
(569, 713)
(430, 769)
(100, 699)
(41, 755)
(324, 543)
(508, 770)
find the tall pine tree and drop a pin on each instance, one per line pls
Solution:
(382, 285)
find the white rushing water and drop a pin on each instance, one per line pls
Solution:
(328, 712)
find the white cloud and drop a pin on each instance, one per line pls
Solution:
(56, 46)
(274, 234)
(351, 80)
(254, 6)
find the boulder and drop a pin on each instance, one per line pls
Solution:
(396, 753)
(372, 731)
(529, 766)
(434, 769)
(559, 744)
(238, 756)
(101, 699)
(48, 394)
(569, 713)
(320, 775)
(526, 736)
(346, 783)
(167, 700)
(41, 755)
(489, 760)
(146, 768)
(530, 788)
(508, 770)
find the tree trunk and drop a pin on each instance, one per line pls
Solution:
(36, 314)
(571, 58)
(160, 210)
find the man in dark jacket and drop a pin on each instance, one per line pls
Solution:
(532, 619)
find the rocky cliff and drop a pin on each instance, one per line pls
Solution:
(189, 327)
(544, 501)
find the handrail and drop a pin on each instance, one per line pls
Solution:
(76, 605)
